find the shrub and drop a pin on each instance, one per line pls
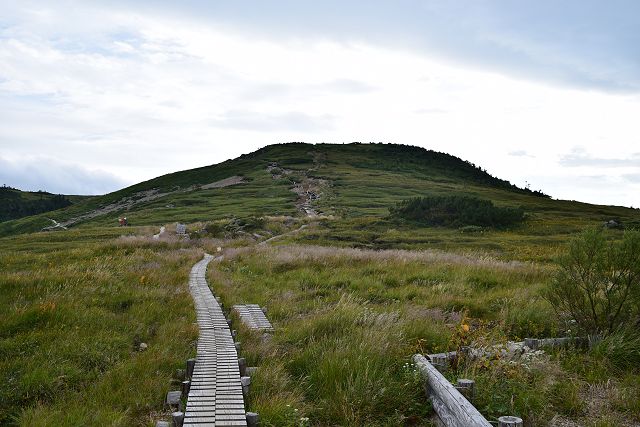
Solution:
(598, 282)
(456, 211)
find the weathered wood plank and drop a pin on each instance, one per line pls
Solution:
(253, 316)
(451, 406)
(215, 396)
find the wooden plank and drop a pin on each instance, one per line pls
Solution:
(253, 317)
(215, 397)
(451, 406)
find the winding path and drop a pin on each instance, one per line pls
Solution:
(215, 396)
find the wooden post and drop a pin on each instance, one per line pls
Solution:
(509, 421)
(234, 333)
(467, 388)
(186, 386)
(440, 361)
(252, 419)
(191, 364)
(178, 418)
(237, 345)
(246, 382)
(242, 365)
(264, 310)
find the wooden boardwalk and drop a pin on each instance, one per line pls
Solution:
(215, 395)
(253, 317)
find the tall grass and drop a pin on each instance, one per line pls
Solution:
(72, 320)
(348, 320)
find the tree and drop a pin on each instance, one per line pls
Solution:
(598, 282)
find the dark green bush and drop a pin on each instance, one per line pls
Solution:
(455, 211)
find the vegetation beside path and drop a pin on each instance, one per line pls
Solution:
(76, 309)
(347, 322)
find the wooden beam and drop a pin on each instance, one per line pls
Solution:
(451, 406)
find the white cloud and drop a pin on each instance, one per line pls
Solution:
(31, 174)
(143, 95)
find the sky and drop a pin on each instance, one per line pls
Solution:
(98, 95)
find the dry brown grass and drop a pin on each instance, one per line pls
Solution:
(302, 253)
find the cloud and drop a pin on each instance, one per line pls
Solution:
(579, 157)
(347, 86)
(632, 177)
(290, 121)
(41, 173)
(430, 111)
(520, 153)
(139, 89)
(575, 43)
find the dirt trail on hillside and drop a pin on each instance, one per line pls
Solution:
(279, 236)
(309, 189)
(138, 198)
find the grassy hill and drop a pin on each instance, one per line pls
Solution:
(353, 293)
(356, 184)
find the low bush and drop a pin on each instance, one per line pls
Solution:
(455, 211)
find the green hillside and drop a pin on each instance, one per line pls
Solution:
(15, 204)
(353, 187)
(363, 254)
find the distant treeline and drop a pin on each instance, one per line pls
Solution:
(455, 211)
(14, 204)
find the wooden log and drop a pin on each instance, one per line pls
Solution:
(509, 421)
(451, 406)
(191, 364)
(178, 418)
(467, 388)
(252, 419)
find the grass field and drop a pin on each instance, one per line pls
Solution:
(75, 307)
(348, 320)
(352, 296)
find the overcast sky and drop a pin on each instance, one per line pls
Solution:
(96, 95)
